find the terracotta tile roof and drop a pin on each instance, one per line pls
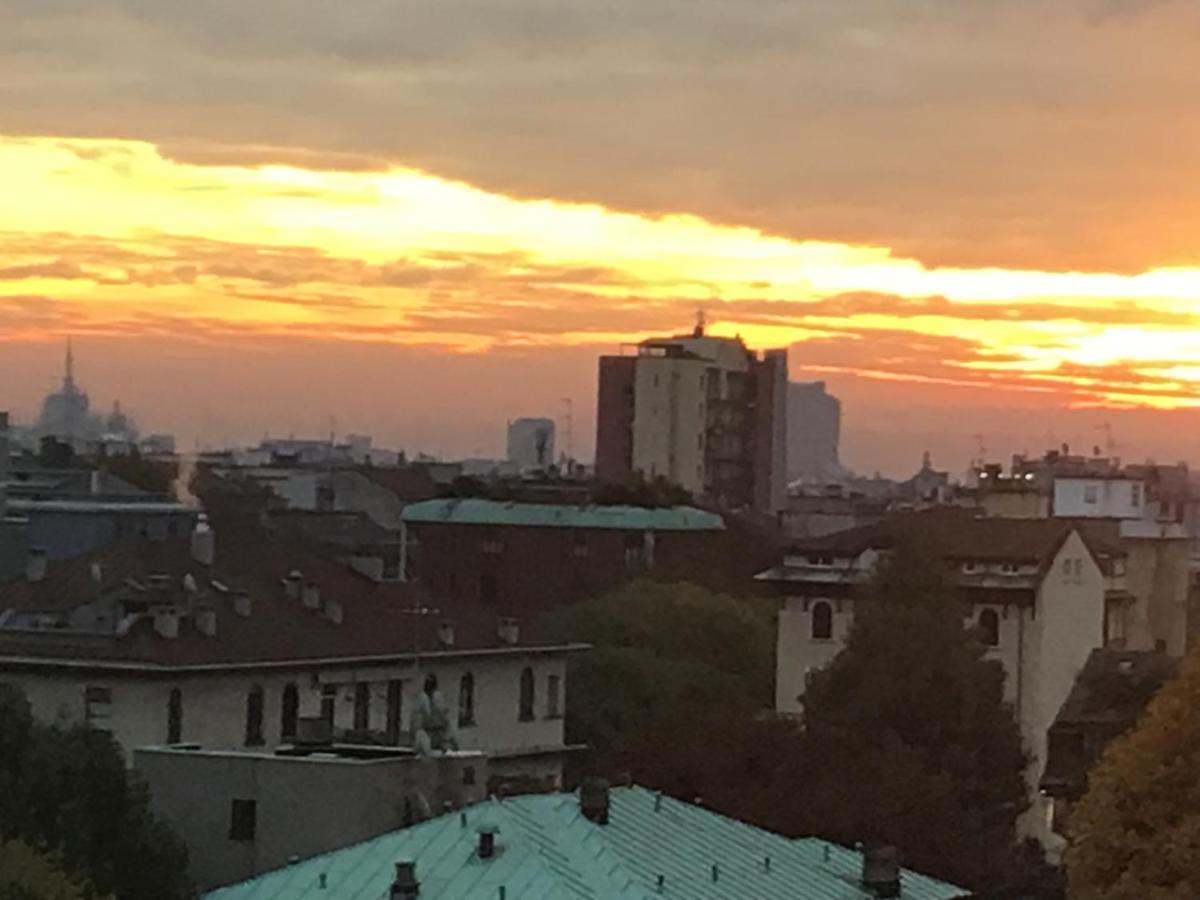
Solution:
(378, 619)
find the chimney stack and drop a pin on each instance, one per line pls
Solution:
(204, 542)
(166, 622)
(292, 584)
(310, 595)
(593, 800)
(206, 621)
(405, 885)
(881, 872)
(35, 564)
(508, 631)
(487, 832)
(334, 612)
(242, 604)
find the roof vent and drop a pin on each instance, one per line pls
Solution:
(446, 634)
(508, 631)
(487, 832)
(881, 871)
(593, 800)
(405, 885)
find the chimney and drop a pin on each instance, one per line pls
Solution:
(487, 832)
(881, 871)
(446, 634)
(166, 622)
(310, 595)
(204, 542)
(509, 631)
(242, 604)
(206, 621)
(593, 800)
(35, 564)
(334, 612)
(405, 885)
(292, 584)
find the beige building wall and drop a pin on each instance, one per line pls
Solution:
(1156, 573)
(214, 706)
(669, 420)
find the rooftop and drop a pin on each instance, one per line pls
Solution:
(548, 515)
(547, 850)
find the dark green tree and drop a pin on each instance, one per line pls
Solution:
(70, 792)
(907, 738)
(1136, 832)
(673, 691)
(156, 476)
(27, 874)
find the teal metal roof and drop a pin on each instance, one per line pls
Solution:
(546, 850)
(549, 515)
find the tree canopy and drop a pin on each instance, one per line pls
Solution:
(69, 791)
(907, 738)
(672, 691)
(1136, 831)
(27, 874)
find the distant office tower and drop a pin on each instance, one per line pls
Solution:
(531, 443)
(704, 412)
(814, 429)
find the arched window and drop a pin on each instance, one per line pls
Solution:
(526, 712)
(466, 700)
(254, 717)
(822, 621)
(289, 713)
(175, 716)
(989, 627)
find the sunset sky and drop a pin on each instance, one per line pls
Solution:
(417, 219)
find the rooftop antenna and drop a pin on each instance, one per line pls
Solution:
(980, 450)
(1110, 444)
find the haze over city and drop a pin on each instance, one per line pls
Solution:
(954, 213)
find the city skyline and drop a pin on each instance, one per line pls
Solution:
(952, 213)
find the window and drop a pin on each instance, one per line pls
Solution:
(362, 706)
(525, 713)
(492, 546)
(1090, 494)
(579, 546)
(175, 716)
(395, 707)
(329, 705)
(1135, 494)
(254, 717)
(243, 820)
(468, 776)
(97, 703)
(970, 567)
(466, 700)
(989, 627)
(822, 621)
(821, 561)
(552, 697)
(1010, 568)
(289, 714)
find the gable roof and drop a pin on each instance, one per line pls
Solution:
(547, 850)
(473, 511)
(380, 620)
(959, 534)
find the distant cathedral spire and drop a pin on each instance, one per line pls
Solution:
(69, 377)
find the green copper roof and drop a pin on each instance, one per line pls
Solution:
(549, 515)
(546, 850)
